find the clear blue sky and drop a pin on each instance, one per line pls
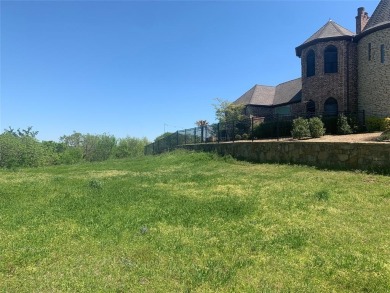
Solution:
(128, 68)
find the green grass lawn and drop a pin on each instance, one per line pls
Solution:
(193, 222)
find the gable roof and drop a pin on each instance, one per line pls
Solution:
(380, 16)
(258, 95)
(262, 95)
(331, 30)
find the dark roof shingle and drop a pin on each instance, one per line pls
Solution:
(261, 95)
(331, 30)
(380, 16)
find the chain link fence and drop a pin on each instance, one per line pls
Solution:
(254, 128)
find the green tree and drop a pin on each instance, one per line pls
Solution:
(130, 147)
(22, 132)
(162, 136)
(21, 151)
(226, 111)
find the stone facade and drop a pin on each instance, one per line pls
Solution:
(374, 76)
(340, 85)
(365, 156)
(361, 81)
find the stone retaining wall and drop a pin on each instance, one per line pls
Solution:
(365, 156)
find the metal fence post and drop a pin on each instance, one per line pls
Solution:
(177, 138)
(233, 124)
(218, 134)
(185, 136)
(252, 133)
(195, 135)
(277, 126)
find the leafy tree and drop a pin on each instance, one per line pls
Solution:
(130, 147)
(21, 151)
(201, 123)
(22, 133)
(162, 136)
(226, 111)
(74, 140)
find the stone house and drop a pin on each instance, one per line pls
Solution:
(341, 71)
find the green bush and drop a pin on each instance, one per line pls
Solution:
(237, 137)
(330, 124)
(300, 128)
(385, 136)
(386, 124)
(23, 151)
(71, 155)
(272, 129)
(376, 124)
(316, 127)
(342, 125)
(132, 147)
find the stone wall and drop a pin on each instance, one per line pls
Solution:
(374, 76)
(365, 156)
(341, 85)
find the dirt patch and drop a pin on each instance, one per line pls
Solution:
(353, 138)
(361, 137)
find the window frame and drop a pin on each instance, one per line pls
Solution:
(310, 63)
(382, 53)
(369, 51)
(331, 62)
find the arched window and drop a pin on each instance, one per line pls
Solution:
(310, 108)
(331, 107)
(310, 64)
(330, 59)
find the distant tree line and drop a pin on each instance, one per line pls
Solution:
(21, 148)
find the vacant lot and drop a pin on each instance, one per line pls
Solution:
(193, 222)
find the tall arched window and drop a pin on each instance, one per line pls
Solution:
(330, 59)
(310, 108)
(331, 107)
(310, 64)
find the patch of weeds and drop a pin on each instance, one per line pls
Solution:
(316, 262)
(293, 239)
(144, 230)
(322, 195)
(95, 184)
(385, 136)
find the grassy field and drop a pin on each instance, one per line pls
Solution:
(193, 222)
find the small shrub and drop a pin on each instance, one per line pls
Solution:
(245, 136)
(272, 129)
(237, 137)
(353, 121)
(342, 125)
(330, 124)
(322, 195)
(300, 128)
(376, 123)
(385, 136)
(95, 184)
(386, 124)
(316, 127)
